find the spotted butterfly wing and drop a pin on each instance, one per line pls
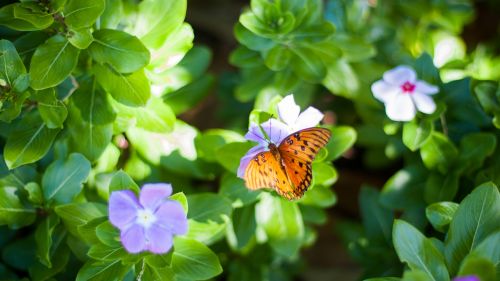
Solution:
(287, 168)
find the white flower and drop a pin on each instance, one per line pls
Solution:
(289, 113)
(403, 94)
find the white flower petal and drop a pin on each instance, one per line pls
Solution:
(307, 119)
(288, 110)
(384, 91)
(425, 88)
(424, 103)
(400, 108)
(400, 74)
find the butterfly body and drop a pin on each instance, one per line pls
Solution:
(287, 167)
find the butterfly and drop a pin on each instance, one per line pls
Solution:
(287, 168)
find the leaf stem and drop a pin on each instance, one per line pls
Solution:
(443, 124)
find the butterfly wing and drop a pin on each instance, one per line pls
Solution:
(264, 171)
(297, 151)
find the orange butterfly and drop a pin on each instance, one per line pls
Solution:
(287, 168)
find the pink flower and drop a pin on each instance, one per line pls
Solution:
(147, 224)
(403, 94)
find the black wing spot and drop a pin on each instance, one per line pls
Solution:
(295, 152)
(301, 164)
(303, 148)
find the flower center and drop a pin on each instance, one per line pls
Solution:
(145, 217)
(408, 87)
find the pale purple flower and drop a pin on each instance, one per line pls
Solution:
(147, 223)
(290, 113)
(403, 94)
(467, 278)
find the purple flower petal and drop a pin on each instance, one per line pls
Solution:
(123, 206)
(467, 278)
(255, 134)
(401, 108)
(245, 160)
(159, 239)
(399, 75)
(307, 119)
(171, 216)
(152, 194)
(384, 91)
(276, 130)
(288, 110)
(133, 239)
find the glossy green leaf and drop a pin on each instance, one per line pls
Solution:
(415, 134)
(8, 19)
(11, 64)
(230, 154)
(12, 210)
(76, 214)
(63, 180)
(156, 116)
(52, 62)
(477, 217)
(122, 181)
(124, 52)
(129, 89)
(480, 267)
(438, 153)
(29, 141)
(440, 214)
(404, 189)
(343, 138)
(282, 222)
(33, 15)
(242, 227)
(35, 195)
(102, 270)
(234, 188)
(81, 38)
(93, 103)
(113, 13)
(43, 237)
(377, 219)
(52, 110)
(474, 149)
(440, 187)
(418, 251)
(190, 95)
(78, 14)
(194, 261)
(60, 256)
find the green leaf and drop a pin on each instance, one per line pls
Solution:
(34, 193)
(242, 227)
(8, 19)
(102, 270)
(477, 217)
(414, 135)
(182, 199)
(131, 89)
(78, 14)
(93, 103)
(112, 15)
(418, 251)
(234, 188)
(52, 62)
(480, 267)
(277, 57)
(43, 237)
(52, 110)
(190, 95)
(282, 222)
(474, 148)
(377, 220)
(341, 79)
(12, 211)
(29, 142)
(20, 253)
(108, 234)
(438, 153)
(60, 256)
(426, 70)
(87, 138)
(122, 181)
(12, 106)
(441, 187)
(22, 83)
(81, 38)
(33, 15)
(229, 155)
(63, 180)
(11, 65)
(489, 249)
(404, 189)
(354, 49)
(77, 214)
(308, 65)
(107, 253)
(440, 214)
(124, 52)
(156, 20)
(343, 138)
(192, 260)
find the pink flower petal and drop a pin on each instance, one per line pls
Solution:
(424, 103)
(245, 160)
(307, 119)
(152, 194)
(133, 239)
(399, 75)
(159, 239)
(384, 91)
(123, 206)
(426, 88)
(288, 110)
(171, 216)
(400, 108)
